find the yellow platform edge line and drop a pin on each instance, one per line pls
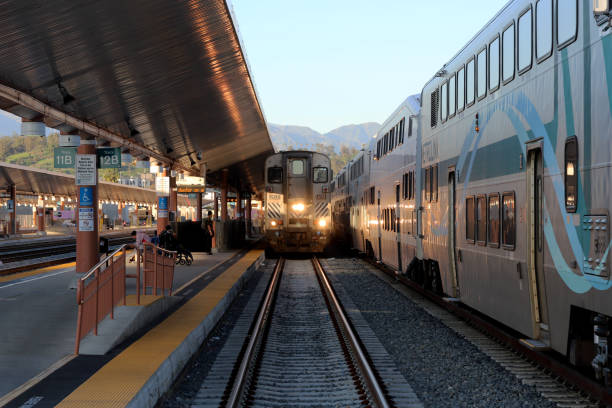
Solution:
(37, 271)
(118, 382)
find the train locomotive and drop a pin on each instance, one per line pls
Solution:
(297, 201)
(493, 185)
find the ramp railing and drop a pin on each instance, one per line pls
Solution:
(158, 267)
(98, 292)
(104, 286)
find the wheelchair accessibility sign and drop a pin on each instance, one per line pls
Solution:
(85, 196)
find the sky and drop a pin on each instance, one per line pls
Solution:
(329, 63)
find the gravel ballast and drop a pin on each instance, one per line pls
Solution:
(444, 369)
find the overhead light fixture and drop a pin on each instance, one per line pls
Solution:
(133, 131)
(67, 98)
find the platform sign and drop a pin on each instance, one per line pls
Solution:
(85, 196)
(9, 205)
(162, 185)
(109, 157)
(64, 157)
(86, 219)
(86, 174)
(163, 203)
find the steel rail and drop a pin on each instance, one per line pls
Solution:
(543, 359)
(367, 371)
(240, 379)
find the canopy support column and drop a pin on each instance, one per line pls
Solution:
(87, 205)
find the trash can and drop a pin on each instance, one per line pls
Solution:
(104, 245)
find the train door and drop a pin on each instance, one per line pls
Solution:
(297, 178)
(535, 188)
(452, 225)
(398, 237)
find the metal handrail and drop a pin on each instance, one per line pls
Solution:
(366, 369)
(102, 262)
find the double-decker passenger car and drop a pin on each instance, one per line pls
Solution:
(297, 215)
(502, 197)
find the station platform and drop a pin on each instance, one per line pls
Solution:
(47, 250)
(63, 234)
(37, 365)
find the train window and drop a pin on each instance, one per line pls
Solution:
(508, 221)
(493, 217)
(494, 65)
(481, 70)
(401, 130)
(386, 143)
(377, 149)
(481, 220)
(387, 221)
(409, 127)
(372, 195)
(275, 175)
(508, 54)
(319, 175)
(444, 102)
(544, 29)
(427, 185)
(434, 183)
(411, 185)
(460, 89)
(470, 234)
(434, 108)
(393, 220)
(297, 167)
(405, 186)
(567, 22)
(524, 41)
(469, 83)
(452, 101)
(391, 139)
(571, 174)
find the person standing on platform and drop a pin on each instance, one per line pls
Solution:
(209, 233)
(140, 238)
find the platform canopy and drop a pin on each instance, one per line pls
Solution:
(168, 75)
(32, 181)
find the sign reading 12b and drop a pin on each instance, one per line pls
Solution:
(109, 157)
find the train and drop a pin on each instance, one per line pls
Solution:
(492, 186)
(297, 216)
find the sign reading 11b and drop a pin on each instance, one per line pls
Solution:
(64, 157)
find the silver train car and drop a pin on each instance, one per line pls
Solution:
(297, 201)
(499, 195)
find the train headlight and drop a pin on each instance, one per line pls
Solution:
(298, 207)
(322, 223)
(273, 223)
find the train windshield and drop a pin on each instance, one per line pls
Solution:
(319, 175)
(297, 167)
(275, 175)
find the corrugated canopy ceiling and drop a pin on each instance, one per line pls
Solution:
(169, 74)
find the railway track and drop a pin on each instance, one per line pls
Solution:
(299, 349)
(19, 252)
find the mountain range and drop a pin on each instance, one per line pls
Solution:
(285, 137)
